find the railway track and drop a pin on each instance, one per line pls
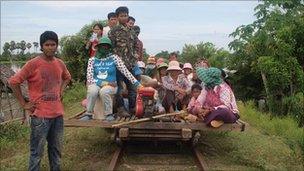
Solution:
(171, 155)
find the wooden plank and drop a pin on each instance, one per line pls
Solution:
(123, 132)
(155, 135)
(186, 133)
(76, 115)
(200, 159)
(115, 158)
(178, 126)
(153, 125)
(148, 119)
(89, 123)
(140, 131)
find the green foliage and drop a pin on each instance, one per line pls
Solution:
(74, 53)
(293, 105)
(74, 94)
(163, 54)
(193, 53)
(272, 46)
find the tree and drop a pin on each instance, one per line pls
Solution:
(12, 46)
(163, 54)
(272, 50)
(145, 55)
(36, 45)
(28, 46)
(193, 53)
(22, 47)
(18, 47)
(6, 52)
(74, 53)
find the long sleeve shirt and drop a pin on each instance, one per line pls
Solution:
(124, 42)
(182, 82)
(103, 71)
(226, 96)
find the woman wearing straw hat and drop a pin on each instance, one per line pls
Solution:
(177, 88)
(217, 98)
(187, 68)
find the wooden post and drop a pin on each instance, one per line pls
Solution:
(9, 102)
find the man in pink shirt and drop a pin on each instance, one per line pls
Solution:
(47, 76)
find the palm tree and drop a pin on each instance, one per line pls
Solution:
(22, 46)
(6, 47)
(28, 46)
(6, 53)
(35, 46)
(18, 47)
(12, 46)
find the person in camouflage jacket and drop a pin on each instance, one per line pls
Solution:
(124, 42)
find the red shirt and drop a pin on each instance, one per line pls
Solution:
(44, 83)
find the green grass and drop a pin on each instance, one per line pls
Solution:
(274, 126)
(269, 143)
(74, 94)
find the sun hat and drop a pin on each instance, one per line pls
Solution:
(174, 65)
(210, 76)
(162, 65)
(151, 60)
(141, 64)
(187, 65)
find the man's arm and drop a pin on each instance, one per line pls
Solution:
(15, 82)
(18, 94)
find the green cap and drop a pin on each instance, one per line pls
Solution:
(162, 65)
(105, 40)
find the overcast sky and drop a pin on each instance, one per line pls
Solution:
(165, 25)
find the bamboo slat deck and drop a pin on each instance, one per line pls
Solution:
(156, 125)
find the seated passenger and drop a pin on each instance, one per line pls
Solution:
(101, 79)
(217, 98)
(162, 71)
(177, 88)
(151, 67)
(194, 105)
(187, 68)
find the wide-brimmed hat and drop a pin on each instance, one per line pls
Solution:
(162, 65)
(141, 64)
(187, 65)
(210, 76)
(174, 65)
(151, 60)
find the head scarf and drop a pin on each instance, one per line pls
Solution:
(210, 76)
